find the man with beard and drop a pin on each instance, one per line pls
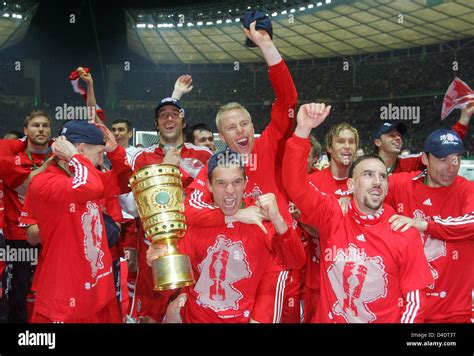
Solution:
(367, 269)
(440, 204)
(388, 142)
(342, 141)
(29, 162)
(170, 122)
(278, 296)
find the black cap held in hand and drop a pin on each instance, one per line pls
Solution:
(263, 23)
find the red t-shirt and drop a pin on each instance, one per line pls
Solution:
(367, 268)
(326, 183)
(74, 275)
(228, 263)
(193, 159)
(14, 176)
(448, 240)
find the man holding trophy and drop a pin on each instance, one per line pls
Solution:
(229, 261)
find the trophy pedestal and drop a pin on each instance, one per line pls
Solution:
(172, 272)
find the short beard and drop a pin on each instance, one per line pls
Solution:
(369, 205)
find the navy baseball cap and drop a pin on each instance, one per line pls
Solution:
(80, 131)
(443, 142)
(223, 158)
(263, 23)
(386, 127)
(170, 101)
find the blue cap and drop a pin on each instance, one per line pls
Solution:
(263, 23)
(386, 127)
(223, 158)
(443, 142)
(169, 101)
(80, 131)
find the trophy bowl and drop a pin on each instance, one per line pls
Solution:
(159, 196)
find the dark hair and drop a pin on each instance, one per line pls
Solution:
(198, 127)
(364, 158)
(123, 121)
(18, 134)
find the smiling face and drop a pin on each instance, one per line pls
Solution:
(38, 130)
(170, 124)
(390, 142)
(121, 133)
(369, 184)
(227, 186)
(236, 130)
(343, 147)
(442, 171)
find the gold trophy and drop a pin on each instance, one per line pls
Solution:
(159, 195)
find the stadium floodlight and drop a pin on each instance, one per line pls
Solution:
(328, 1)
(274, 14)
(310, 6)
(150, 25)
(292, 10)
(208, 23)
(180, 25)
(230, 10)
(319, 4)
(237, 19)
(141, 25)
(284, 12)
(218, 22)
(190, 24)
(199, 23)
(228, 21)
(249, 7)
(302, 8)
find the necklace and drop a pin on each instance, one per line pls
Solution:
(33, 162)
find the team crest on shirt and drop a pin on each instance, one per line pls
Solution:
(92, 228)
(225, 264)
(357, 280)
(433, 248)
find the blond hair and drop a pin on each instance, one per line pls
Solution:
(335, 130)
(229, 107)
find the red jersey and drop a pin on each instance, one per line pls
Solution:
(228, 263)
(193, 158)
(263, 168)
(448, 240)
(325, 182)
(367, 268)
(14, 176)
(413, 162)
(74, 277)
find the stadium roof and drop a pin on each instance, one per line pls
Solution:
(302, 30)
(15, 18)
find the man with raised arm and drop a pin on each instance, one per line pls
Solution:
(278, 297)
(369, 273)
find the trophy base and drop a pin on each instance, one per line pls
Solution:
(172, 272)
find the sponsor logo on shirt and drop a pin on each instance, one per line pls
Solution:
(357, 280)
(225, 264)
(254, 193)
(427, 202)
